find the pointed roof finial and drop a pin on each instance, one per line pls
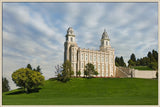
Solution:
(105, 35)
(70, 31)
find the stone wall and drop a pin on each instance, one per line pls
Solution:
(144, 74)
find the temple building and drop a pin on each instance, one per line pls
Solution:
(102, 59)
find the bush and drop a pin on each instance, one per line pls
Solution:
(27, 79)
(5, 85)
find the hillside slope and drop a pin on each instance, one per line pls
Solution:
(95, 91)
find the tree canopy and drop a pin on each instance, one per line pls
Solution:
(38, 69)
(66, 73)
(5, 85)
(119, 61)
(89, 70)
(27, 79)
(151, 60)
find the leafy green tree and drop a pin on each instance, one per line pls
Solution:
(119, 61)
(5, 85)
(149, 55)
(89, 70)
(138, 62)
(38, 69)
(154, 65)
(66, 73)
(27, 79)
(86, 73)
(78, 73)
(155, 54)
(122, 63)
(133, 57)
(95, 73)
(132, 60)
(29, 66)
(131, 63)
(151, 60)
(58, 69)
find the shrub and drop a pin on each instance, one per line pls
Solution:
(27, 79)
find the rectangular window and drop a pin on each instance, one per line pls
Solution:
(86, 57)
(102, 67)
(72, 65)
(94, 57)
(102, 59)
(98, 58)
(82, 56)
(72, 57)
(90, 57)
(82, 64)
(106, 73)
(98, 67)
(95, 66)
(106, 59)
(75, 57)
(107, 67)
(112, 59)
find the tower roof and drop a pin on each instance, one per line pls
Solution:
(105, 35)
(70, 31)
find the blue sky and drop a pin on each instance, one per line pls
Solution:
(35, 32)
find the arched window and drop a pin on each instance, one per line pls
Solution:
(106, 42)
(71, 39)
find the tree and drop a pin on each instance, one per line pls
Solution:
(5, 85)
(29, 66)
(58, 69)
(78, 73)
(138, 62)
(66, 73)
(132, 60)
(154, 65)
(27, 79)
(155, 54)
(122, 63)
(149, 55)
(133, 57)
(89, 70)
(38, 69)
(95, 73)
(131, 63)
(119, 61)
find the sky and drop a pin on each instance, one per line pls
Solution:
(34, 33)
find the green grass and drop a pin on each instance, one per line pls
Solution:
(95, 91)
(142, 68)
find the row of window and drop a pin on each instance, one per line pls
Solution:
(94, 58)
(82, 66)
(74, 56)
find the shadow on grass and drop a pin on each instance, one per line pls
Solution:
(21, 91)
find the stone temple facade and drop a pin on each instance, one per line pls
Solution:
(103, 59)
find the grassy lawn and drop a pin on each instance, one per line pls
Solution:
(95, 91)
(142, 68)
